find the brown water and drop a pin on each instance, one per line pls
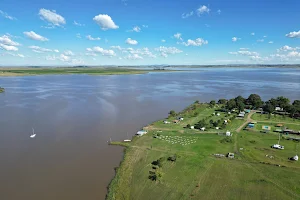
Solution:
(75, 115)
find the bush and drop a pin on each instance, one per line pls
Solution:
(227, 140)
(172, 158)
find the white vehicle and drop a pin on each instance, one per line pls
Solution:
(277, 146)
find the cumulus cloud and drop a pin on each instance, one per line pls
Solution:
(77, 23)
(203, 9)
(135, 29)
(293, 34)
(163, 40)
(261, 40)
(252, 34)
(293, 54)
(32, 35)
(8, 47)
(38, 49)
(131, 41)
(105, 22)
(271, 42)
(244, 49)
(187, 15)
(116, 47)
(134, 57)
(287, 48)
(245, 53)
(197, 42)
(5, 15)
(102, 51)
(165, 51)
(234, 39)
(89, 37)
(56, 51)
(178, 36)
(52, 17)
(5, 39)
(69, 53)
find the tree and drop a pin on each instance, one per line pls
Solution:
(240, 99)
(212, 103)
(172, 113)
(222, 101)
(188, 126)
(211, 121)
(197, 102)
(231, 104)
(283, 102)
(240, 105)
(201, 124)
(269, 108)
(292, 110)
(255, 101)
(296, 104)
(273, 102)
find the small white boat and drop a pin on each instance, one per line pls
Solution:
(33, 134)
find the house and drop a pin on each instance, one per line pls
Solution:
(241, 115)
(243, 112)
(228, 134)
(217, 128)
(279, 125)
(229, 113)
(141, 133)
(192, 127)
(166, 122)
(202, 129)
(247, 110)
(180, 118)
(176, 121)
(277, 108)
(218, 114)
(225, 121)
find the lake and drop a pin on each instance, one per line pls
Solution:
(75, 115)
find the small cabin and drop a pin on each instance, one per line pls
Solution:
(228, 134)
(230, 155)
(192, 127)
(141, 133)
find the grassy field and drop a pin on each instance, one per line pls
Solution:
(254, 173)
(54, 71)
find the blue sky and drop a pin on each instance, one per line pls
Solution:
(141, 32)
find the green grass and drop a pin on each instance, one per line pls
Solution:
(197, 174)
(55, 71)
(274, 118)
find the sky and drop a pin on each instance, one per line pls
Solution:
(148, 32)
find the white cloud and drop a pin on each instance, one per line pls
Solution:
(89, 37)
(265, 36)
(163, 40)
(294, 54)
(116, 47)
(271, 42)
(5, 15)
(102, 51)
(252, 34)
(15, 55)
(178, 36)
(38, 49)
(64, 58)
(52, 17)
(203, 9)
(245, 53)
(7, 41)
(234, 39)
(287, 48)
(293, 34)
(8, 47)
(134, 57)
(77, 23)
(145, 26)
(244, 49)
(78, 35)
(136, 29)
(32, 35)
(69, 53)
(219, 11)
(186, 15)
(197, 42)
(261, 40)
(105, 22)
(56, 51)
(131, 41)
(165, 51)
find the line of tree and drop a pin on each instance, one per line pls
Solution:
(254, 101)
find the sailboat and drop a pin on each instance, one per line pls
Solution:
(33, 134)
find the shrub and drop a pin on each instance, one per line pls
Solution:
(227, 140)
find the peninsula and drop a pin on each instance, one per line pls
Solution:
(215, 150)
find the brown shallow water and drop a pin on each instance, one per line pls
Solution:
(74, 116)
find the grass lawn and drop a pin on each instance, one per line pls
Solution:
(274, 118)
(254, 173)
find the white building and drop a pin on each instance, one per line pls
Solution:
(141, 133)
